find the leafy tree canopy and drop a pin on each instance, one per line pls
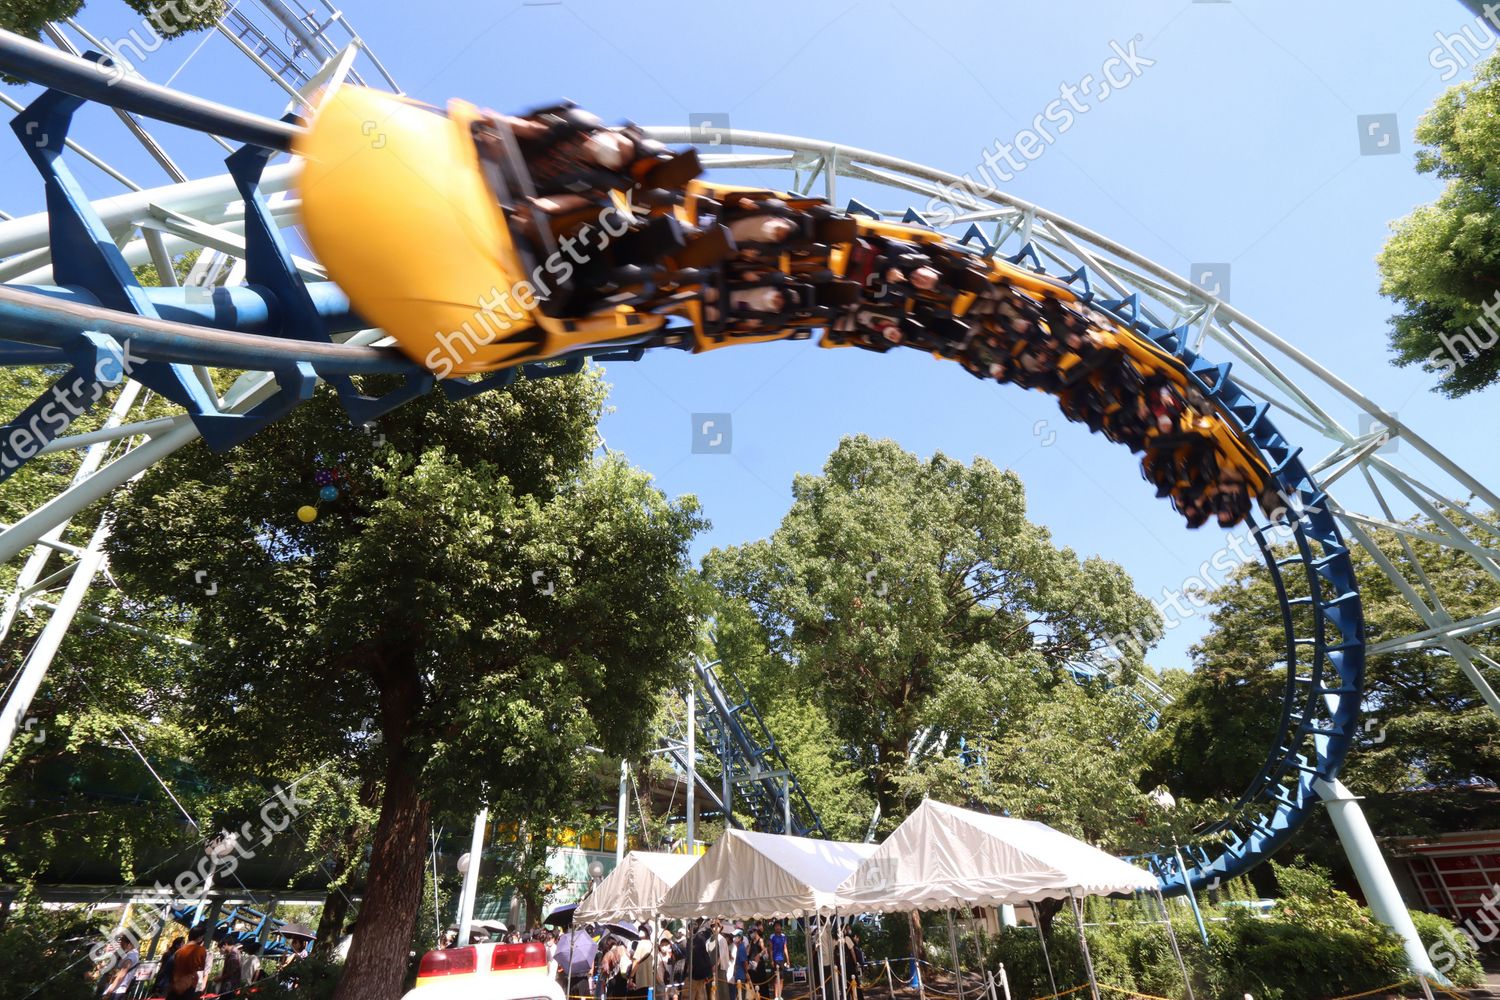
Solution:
(914, 602)
(1442, 262)
(480, 601)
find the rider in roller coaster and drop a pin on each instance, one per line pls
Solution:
(743, 263)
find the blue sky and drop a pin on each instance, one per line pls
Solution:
(1238, 144)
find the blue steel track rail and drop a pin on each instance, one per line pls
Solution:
(96, 318)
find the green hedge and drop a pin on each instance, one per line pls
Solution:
(1316, 943)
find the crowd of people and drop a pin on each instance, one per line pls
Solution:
(191, 966)
(742, 264)
(706, 959)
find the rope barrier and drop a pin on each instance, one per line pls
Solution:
(1132, 993)
(1383, 989)
(1348, 996)
(949, 995)
(1054, 996)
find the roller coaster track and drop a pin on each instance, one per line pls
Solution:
(68, 302)
(755, 777)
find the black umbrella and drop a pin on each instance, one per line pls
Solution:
(630, 932)
(297, 931)
(562, 916)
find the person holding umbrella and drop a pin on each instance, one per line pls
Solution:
(575, 961)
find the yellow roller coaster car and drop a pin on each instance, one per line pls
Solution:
(397, 207)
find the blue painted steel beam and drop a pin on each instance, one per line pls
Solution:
(246, 308)
(97, 364)
(28, 318)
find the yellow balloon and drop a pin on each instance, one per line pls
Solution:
(307, 513)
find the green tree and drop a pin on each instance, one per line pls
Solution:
(168, 18)
(832, 784)
(453, 624)
(912, 597)
(1426, 723)
(1074, 762)
(1442, 262)
(46, 954)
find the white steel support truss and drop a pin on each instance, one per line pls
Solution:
(153, 226)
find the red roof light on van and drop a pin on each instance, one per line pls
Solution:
(450, 962)
(531, 955)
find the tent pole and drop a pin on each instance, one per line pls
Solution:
(1042, 934)
(437, 903)
(1176, 952)
(815, 938)
(958, 972)
(979, 955)
(916, 957)
(843, 946)
(1083, 941)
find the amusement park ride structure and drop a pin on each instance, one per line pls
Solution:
(249, 303)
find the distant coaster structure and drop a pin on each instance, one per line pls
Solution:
(69, 301)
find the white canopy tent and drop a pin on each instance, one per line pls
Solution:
(765, 876)
(942, 856)
(634, 890)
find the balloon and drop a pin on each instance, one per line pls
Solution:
(307, 513)
(329, 493)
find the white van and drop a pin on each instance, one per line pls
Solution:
(486, 972)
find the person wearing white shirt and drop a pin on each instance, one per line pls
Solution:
(127, 965)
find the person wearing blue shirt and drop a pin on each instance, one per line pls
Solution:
(778, 956)
(741, 957)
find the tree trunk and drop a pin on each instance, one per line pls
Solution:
(917, 951)
(532, 902)
(331, 923)
(347, 857)
(376, 969)
(1046, 911)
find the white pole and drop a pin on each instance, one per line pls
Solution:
(1004, 981)
(1083, 942)
(471, 879)
(843, 955)
(819, 933)
(1374, 877)
(92, 459)
(1176, 952)
(620, 817)
(34, 668)
(437, 903)
(1045, 957)
(692, 766)
(958, 972)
